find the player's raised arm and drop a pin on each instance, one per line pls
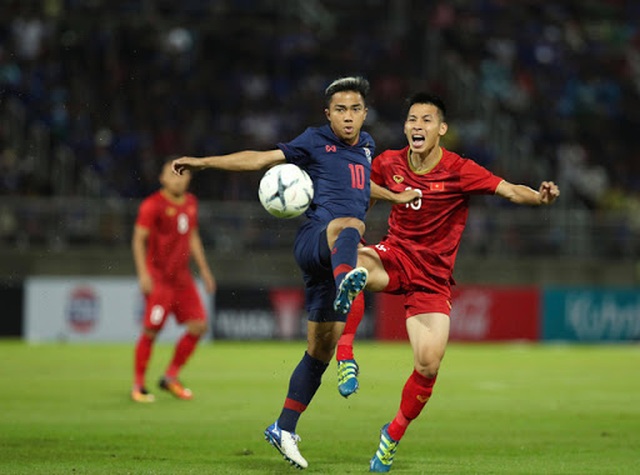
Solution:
(523, 195)
(247, 160)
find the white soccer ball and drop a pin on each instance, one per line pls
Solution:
(285, 191)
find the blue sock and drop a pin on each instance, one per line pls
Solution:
(305, 381)
(344, 254)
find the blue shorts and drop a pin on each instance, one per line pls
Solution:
(313, 256)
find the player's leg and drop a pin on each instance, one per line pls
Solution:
(312, 254)
(343, 238)
(378, 280)
(428, 334)
(142, 355)
(347, 366)
(303, 385)
(155, 314)
(188, 310)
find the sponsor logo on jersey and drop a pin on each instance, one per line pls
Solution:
(422, 398)
(398, 178)
(330, 148)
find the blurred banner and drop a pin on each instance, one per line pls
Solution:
(591, 314)
(259, 314)
(479, 313)
(250, 313)
(87, 309)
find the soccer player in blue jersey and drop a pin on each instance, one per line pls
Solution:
(337, 157)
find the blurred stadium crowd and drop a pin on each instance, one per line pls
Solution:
(93, 93)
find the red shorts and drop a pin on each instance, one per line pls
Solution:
(183, 302)
(409, 276)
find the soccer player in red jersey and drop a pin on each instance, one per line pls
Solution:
(417, 256)
(165, 237)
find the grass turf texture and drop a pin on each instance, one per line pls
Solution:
(497, 409)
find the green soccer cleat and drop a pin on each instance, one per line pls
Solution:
(348, 377)
(383, 458)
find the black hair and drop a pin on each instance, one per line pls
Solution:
(351, 83)
(428, 98)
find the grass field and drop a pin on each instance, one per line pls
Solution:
(497, 409)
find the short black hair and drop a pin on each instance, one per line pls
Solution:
(351, 83)
(428, 98)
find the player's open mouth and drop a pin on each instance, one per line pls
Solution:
(417, 140)
(348, 130)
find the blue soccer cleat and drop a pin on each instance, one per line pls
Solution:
(383, 458)
(287, 445)
(352, 284)
(348, 377)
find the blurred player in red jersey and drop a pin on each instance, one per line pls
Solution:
(417, 256)
(165, 237)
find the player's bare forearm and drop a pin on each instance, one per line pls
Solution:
(139, 249)
(524, 195)
(380, 193)
(247, 160)
(198, 254)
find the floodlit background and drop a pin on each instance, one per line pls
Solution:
(94, 94)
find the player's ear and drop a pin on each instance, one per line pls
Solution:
(327, 114)
(443, 128)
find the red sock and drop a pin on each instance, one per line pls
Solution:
(345, 343)
(184, 348)
(141, 358)
(415, 394)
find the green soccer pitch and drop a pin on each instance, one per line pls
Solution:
(496, 409)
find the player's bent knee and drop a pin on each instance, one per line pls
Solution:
(151, 332)
(197, 327)
(321, 348)
(340, 224)
(428, 366)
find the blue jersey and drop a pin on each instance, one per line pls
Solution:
(340, 172)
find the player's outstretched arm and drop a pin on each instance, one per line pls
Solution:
(523, 195)
(247, 160)
(380, 193)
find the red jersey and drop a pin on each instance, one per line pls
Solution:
(168, 245)
(430, 229)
